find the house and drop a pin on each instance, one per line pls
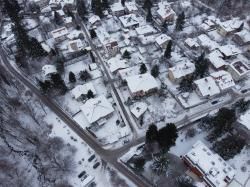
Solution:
(75, 46)
(48, 70)
(130, 7)
(75, 34)
(68, 22)
(208, 166)
(146, 40)
(229, 51)
(129, 21)
(145, 30)
(93, 66)
(97, 110)
(206, 87)
(117, 63)
(41, 3)
(117, 9)
(80, 91)
(125, 73)
(181, 70)
(60, 13)
(206, 42)
(208, 25)
(243, 126)
(191, 43)
(162, 41)
(94, 20)
(216, 59)
(165, 13)
(223, 79)
(143, 84)
(242, 37)
(138, 109)
(238, 70)
(229, 27)
(57, 4)
(59, 34)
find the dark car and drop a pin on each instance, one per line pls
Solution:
(91, 158)
(214, 102)
(96, 165)
(244, 91)
(81, 174)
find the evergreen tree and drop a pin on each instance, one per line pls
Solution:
(90, 94)
(97, 7)
(160, 164)
(58, 83)
(36, 49)
(151, 134)
(186, 84)
(81, 8)
(242, 106)
(147, 4)
(155, 71)
(105, 4)
(123, 2)
(167, 136)
(149, 15)
(57, 18)
(92, 57)
(201, 66)
(72, 77)
(143, 68)
(167, 53)
(139, 164)
(84, 75)
(60, 64)
(126, 54)
(92, 33)
(180, 21)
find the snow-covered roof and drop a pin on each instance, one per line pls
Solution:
(7, 30)
(96, 108)
(245, 119)
(145, 29)
(229, 50)
(165, 10)
(74, 34)
(60, 12)
(223, 79)
(46, 47)
(48, 69)
(138, 109)
(244, 35)
(162, 39)
(191, 42)
(231, 25)
(82, 90)
(129, 20)
(182, 69)
(116, 7)
(207, 86)
(145, 40)
(59, 32)
(67, 19)
(117, 63)
(131, 6)
(62, 2)
(124, 73)
(142, 82)
(240, 68)
(93, 66)
(215, 58)
(103, 35)
(75, 45)
(214, 168)
(93, 19)
(205, 41)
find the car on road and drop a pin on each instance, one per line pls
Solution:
(91, 158)
(81, 174)
(96, 165)
(214, 102)
(244, 91)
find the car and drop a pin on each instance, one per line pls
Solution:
(91, 158)
(96, 165)
(81, 174)
(214, 102)
(244, 91)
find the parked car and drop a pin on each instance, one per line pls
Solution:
(81, 174)
(96, 165)
(91, 158)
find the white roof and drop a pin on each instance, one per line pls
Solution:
(67, 19)
(75, 45)
(229, 50)
(231, 25)
(162, 39)
(93, 66)
(59, 32)
(215, 58)
(129, 20)
(94, 19)
(116, 7)
(46, 47)
(191, 42)
(139, 108)
(82, 90)
(165, 10)
(244, 35)
(145, 40)
(96, 108)
(117, 63)
(60, 12)
(48, 69)
(74, 34)
(124, 73)
(240, 68)
(103, 35)
(131, 6)
(207, 86)
(182, 69)
(223, 79)
(62, 2)
(245, 119)
(145, 29)
(207, 42)
(214, 168)
(142, 82)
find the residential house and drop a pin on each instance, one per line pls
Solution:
(223, 79)
(41, 3)
(242, 37)
(130, 7)
(68, 22)
(191, 43)
(229, 51)
(162, 41)
(238, 70)
(208, 166)
(165, 13)
(138, 109)
(145, 30)
(181, 70)
(206, 87)
(57, 4)
(117, 9)
(129, 21)
(117, 63)
(75, 34)
(229, 27)
(59, 34)
(141, 85)
(216, 59)
(94, 20)
(48, 70)
(97, 110)
(207, 43)
(80, 91)
(243, 126)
